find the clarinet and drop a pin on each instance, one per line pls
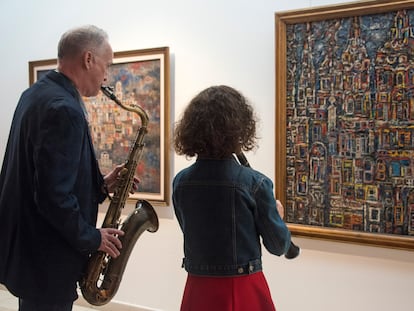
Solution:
(293, 250)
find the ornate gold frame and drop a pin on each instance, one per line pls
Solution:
(318, 14)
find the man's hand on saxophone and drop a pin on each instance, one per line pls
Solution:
(110, 242)
(112, 179)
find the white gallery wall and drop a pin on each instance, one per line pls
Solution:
(211, 42)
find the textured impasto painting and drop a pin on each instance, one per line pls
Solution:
(350, 123)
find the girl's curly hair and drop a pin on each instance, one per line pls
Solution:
(219, 121)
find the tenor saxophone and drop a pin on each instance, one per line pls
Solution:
(104, 273)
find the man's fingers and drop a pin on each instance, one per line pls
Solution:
(113, 231)
(110, 242)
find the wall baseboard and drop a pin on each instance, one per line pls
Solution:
(108, 307)
(112, 305)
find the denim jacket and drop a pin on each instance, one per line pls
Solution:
(224, 209)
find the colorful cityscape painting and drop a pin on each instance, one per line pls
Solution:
(137, 80)
(349, 123)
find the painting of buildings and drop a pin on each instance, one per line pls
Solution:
(114, 129)
(350, 123)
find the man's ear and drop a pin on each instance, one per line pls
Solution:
(87, 59)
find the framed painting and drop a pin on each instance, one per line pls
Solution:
(345, 122)
(139, 77)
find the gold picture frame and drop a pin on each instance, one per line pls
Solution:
(143, 77)
(338, 169)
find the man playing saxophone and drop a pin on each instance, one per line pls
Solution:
(50, 182)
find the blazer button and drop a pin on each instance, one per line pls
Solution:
(251, 268)
(240, 270)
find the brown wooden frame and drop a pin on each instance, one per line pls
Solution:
(317, 14)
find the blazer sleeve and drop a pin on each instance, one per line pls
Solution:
(57, 158)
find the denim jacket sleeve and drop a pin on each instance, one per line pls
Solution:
(273, 230)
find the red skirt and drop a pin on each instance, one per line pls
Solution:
(239, 293)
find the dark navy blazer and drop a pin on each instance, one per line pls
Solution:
(50, 188)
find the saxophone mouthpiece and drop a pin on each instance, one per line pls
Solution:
(108, 91)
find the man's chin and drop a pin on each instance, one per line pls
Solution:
(92, 94)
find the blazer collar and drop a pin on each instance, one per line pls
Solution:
(64, 81)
